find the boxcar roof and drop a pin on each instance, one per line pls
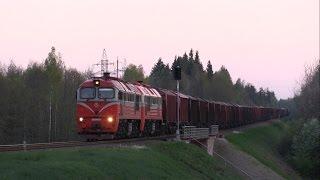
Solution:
(222, 103)
(168, 92)
(193, 98)
(181, 95)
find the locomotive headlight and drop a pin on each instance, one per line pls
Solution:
(81, 119)
(110, 119)
(96, 82)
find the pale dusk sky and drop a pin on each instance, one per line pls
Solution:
(264, 42)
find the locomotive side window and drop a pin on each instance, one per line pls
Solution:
(128, 97)
(120, 95)
(154, 101)
(125, 97)
(148, 101)
(131, 97)
(106, 93)
(138, 98)
(137, 102)
(87, 93)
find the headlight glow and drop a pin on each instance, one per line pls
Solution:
(81, 119)
(110, 119)
(96, 82)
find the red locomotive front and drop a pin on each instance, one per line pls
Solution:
(97, 107)
(110, 106)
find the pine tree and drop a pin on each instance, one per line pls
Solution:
(209, 70)
(160, 75)
(191, 55)
(197, 61)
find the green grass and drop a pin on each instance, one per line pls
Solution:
(262, 143)
(164, 160)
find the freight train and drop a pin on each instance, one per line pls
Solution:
(108, 106)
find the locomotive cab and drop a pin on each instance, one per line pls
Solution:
(97, 107)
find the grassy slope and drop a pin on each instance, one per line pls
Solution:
(261, 143)
(157, 161)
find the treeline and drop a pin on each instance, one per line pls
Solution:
(301, 145)
(37, 104)
(27, 95)
(205, 83)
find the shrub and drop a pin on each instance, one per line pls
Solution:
(306, 148)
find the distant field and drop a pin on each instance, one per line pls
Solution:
(261, 143)
(163, 160)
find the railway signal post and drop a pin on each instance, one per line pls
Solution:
(177, 77)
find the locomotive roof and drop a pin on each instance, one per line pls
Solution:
(136, 88)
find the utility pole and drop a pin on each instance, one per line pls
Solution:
(24, 134)
(55, 122)
(124, 66)
(117, 67)
(178, 112)
(104, 65)
(104, 62)
(122, 69)
(50, 117)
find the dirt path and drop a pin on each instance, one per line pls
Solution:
(245, 162)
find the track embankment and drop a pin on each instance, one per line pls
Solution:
(53, 145)
(261, 142)
(149, 160)
(245, 162)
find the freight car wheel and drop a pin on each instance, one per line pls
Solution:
(150, 128)
(129, 126)
(122, 130)
(158, 128)
(136, 128)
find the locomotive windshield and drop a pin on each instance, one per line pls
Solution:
(106, 93)
(87, 93)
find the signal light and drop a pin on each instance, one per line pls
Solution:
(177, 73)
(81, 119)
(96, 82)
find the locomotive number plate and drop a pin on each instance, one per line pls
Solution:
(96, 119)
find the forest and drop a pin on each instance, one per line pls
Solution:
(25, 101)
(205, 83)
(301, 144)
(29, 97)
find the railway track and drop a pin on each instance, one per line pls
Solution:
(53, 145)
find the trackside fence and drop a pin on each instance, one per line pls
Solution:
(214, 130)
(189, 132)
